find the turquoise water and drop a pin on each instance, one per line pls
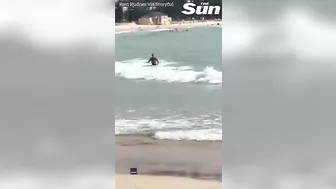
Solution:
(181, 98)
(197, 47)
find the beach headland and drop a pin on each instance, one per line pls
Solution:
(132, 27)
(197, 164)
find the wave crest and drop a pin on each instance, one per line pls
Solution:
(204, 127)
(166, 71)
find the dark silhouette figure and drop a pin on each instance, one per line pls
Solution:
(153, 60)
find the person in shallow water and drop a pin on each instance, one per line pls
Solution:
(153, 60)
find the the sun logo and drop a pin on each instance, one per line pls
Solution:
(203, 9)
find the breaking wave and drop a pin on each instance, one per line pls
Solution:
(166, 71)
(205, 127)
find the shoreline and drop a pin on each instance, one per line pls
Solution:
(151, 136)
(121, 28)
(186, 159)
(167, 163)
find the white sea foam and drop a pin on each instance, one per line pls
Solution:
(206, 127)
(121, 32)
(166, 71)
(200, 134)
(129, 31)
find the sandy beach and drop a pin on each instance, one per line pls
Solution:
(132, 27)
(163, 182)
(168, 164)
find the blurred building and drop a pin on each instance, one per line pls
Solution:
(155, 18)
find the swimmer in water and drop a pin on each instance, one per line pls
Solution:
(153, 60)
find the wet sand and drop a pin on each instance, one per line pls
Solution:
(193, 159)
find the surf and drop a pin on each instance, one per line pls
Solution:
(166, 71)
(202, 128)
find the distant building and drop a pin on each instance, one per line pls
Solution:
(155, 18)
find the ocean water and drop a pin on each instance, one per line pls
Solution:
(178, 100)
(279, 95)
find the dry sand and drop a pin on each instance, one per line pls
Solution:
(163, 182)
(132, 27)
(167, 164)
